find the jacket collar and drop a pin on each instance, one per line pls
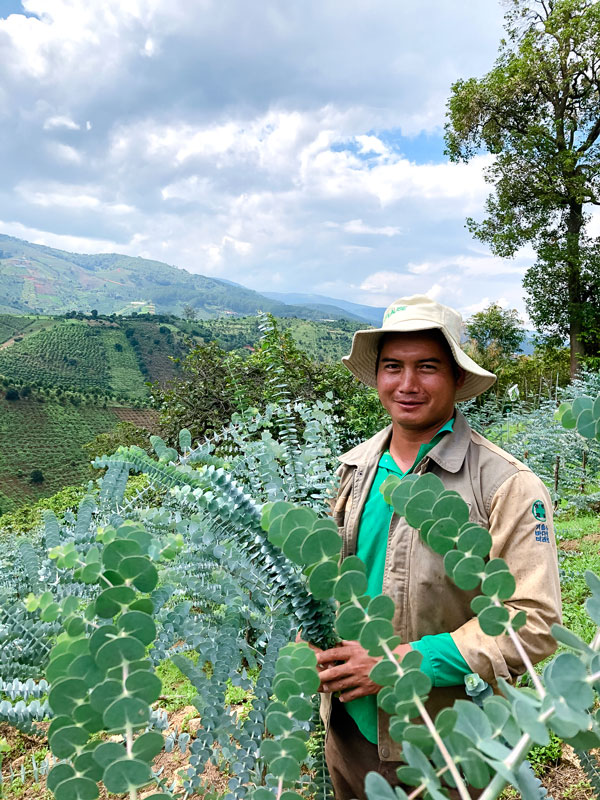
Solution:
(449, 453)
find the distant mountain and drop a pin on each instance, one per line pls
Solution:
(370, 314)
(43, 280)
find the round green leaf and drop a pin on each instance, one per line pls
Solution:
(350, 584)
(100, 636)
(307, 680)
(121, 650)
(493, 620)
(107, 752)
(451, 505)
(298, 517)
(59, 667)
(116, 551)
(353, 564)
(147, 746)
(145, 685)
(74, 626)
(468, 572)
(143, 604)
(586, 424)
(381, 606)
(419, 507)
(374, 634)
(294, 542)
(111, 601)
(88, 718)
(580, 404)
(127, 711)
(567, 420)
(85, 667)
(321, 545)
(480, 602)
(104, 694)
(284, 687)
(277, 720)
(384, 673)
(51, 613)
(349, 622)
(76, 789)
(430, 482)
(300, 707)
(412, 683)
(286, 768)
(66, 741)
(474, 540)
(140, 571)
(323, 579)
(138, 625)
(90, 573)
(58, 774)
(66, 694)
(499, 584)
(127, 774)
(451, 559)
(442, 535)
(86, 765)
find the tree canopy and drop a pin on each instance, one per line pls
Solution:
(538, 113)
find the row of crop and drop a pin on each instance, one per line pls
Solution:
(68, 354)
(48, 437)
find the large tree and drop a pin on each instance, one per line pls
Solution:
(538, 112)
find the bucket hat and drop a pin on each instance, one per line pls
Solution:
(417, 313)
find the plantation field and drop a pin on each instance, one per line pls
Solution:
(50, 437)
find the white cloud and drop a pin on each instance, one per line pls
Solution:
(60, 121)
(269, 148)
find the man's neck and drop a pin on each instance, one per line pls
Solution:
(406, 443)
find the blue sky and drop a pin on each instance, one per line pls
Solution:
(295, 148)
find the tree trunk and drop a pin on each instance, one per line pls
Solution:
(575, 289)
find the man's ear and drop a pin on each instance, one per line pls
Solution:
(461, 378)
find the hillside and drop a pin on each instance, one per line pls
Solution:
(72, 378)
(43, 280)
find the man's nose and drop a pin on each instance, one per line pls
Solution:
(407, 381)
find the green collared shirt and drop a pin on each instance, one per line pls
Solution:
(442, 661)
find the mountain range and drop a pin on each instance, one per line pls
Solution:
(43, 280)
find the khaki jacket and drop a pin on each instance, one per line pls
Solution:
(500, 492)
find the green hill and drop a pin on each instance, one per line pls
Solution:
(43, 280)
(74, 377)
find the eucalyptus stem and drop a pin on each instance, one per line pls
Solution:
(460, 784)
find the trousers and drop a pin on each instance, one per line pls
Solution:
(350, 757)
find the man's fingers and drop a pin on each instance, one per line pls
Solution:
(339, 685)
(333, 654)
(335, 673)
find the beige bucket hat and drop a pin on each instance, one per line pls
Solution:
(417, 313)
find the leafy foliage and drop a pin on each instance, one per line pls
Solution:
(537, 112)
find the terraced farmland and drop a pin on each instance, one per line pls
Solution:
(52, 436)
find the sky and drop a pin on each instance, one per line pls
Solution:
(287, 146)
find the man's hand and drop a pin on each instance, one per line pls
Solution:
(346, 669)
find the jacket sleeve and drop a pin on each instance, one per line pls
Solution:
(523, 535)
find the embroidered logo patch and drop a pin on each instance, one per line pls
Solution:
(542, 533)
(538, 510)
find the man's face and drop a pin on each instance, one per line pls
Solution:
(416, 382)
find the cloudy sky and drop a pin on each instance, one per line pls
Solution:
(289, 145)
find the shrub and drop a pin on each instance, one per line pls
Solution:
(36, 476)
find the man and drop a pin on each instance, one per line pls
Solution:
(419, 369)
